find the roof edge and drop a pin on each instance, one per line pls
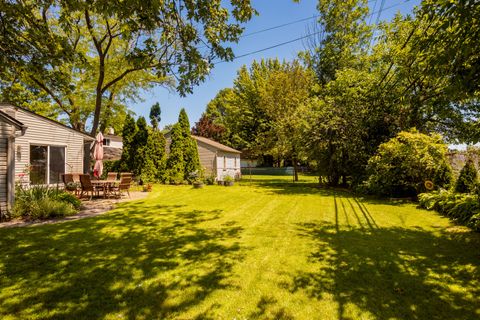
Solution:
(11, 120)
(48, 119)
(216, 144)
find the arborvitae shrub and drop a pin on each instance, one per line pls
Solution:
(467, 179)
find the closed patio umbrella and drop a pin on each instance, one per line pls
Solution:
(98, 155)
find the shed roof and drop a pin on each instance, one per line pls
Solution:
(216, 144)
(85, 135)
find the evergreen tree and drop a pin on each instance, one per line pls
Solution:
(467, 179)
(155, 115)
(156, 147)
(190, 150)
(175, 163)
(141, 153)
(184, 123)
(128, 152)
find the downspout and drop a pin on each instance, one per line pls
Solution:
(11, 165)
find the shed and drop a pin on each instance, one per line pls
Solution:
(45, 151)
(218, 159)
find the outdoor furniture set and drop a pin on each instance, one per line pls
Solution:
(111, 186)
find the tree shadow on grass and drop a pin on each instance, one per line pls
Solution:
(392, 273)
(136, 262)
(303, 188)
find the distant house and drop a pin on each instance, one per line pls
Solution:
(215, 158)
(112, 146)
(218, 159)
(37, 150)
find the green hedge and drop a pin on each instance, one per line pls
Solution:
(462, 208)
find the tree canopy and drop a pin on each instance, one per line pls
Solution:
(88, 57)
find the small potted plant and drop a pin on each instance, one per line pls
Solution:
(196, 179)
(210, 180)
(197, 184)
(228, 181)
(71, 186)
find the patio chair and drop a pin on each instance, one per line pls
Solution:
(68, 178)
(112, 176)
(87, 186)
(126, 174)
(124, 185)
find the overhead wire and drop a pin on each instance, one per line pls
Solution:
(299, 38)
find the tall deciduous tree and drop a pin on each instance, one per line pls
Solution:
(111, 45)
(263, 113)
(206, 127)
(339, 36)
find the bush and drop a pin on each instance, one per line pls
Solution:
(68, 198)
(404, 163)
(42, 202)
(467, 179)
(110, 166)
(462, 208)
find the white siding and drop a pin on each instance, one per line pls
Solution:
(44, 132)
(116, 144)
(228, 164)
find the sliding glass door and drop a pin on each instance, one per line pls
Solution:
(47, 164)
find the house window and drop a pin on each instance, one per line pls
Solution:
(106, 142)
(47, 164)
(224, 162)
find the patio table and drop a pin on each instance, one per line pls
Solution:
(106, 184)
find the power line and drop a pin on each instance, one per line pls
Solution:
(371, 16)
(288, 23)
(297, 39)
(268, 48)
(279, 26)
(382, 4)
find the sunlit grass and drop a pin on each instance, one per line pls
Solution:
(263, 249)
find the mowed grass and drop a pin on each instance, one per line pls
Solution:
(265, 249)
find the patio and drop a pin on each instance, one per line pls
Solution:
(90, 208)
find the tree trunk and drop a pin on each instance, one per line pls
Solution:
(99, 94)
(295, 170)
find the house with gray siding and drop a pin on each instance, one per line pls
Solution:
(42, 151)
(10, 128)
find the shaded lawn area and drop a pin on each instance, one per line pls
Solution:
(265, 249)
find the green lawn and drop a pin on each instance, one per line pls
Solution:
(261, 250)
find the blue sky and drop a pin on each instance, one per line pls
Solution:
(271, 13)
